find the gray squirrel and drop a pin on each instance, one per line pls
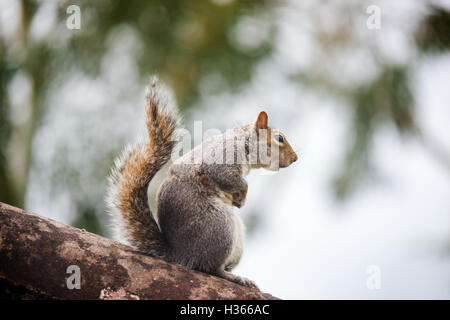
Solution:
(196, 226)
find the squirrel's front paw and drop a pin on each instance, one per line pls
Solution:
(239, 197)
(238, 200)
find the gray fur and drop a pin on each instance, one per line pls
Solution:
(195, 210)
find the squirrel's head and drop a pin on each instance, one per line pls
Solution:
(278, 153)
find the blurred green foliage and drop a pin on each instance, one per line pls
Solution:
(181, 40)
(387, 98)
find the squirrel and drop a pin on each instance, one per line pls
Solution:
(195, 224)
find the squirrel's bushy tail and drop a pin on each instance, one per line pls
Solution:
(133, 222)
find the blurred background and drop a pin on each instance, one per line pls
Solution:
(360, 89)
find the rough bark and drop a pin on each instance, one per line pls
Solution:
(35, 253)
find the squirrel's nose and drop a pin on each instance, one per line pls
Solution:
(295, 158)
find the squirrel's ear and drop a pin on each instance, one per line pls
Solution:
(261, 121)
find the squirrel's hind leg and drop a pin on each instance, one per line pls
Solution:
(236, 279)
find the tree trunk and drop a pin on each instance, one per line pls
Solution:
(36, 254)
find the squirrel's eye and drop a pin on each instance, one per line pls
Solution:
(279, 138)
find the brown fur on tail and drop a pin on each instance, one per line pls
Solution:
(127, 200)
